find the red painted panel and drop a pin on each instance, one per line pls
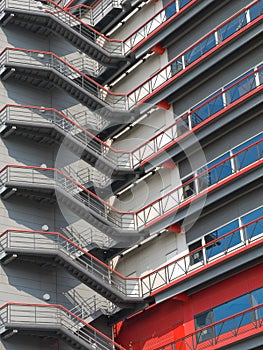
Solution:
(173, 319)
(152, 328)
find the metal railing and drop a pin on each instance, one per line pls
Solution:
(111, 46)
(227, 331)
(85, 308)
(54, 315)
(87, 176)
(87, 237)
(117, 47)
(216, 39)
(36, 58)
(197, 117)
(95, 13)
(201, 115)
(198, 186)
(54, 241)
(202, 256)
(184, 266)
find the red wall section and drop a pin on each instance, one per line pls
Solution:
(171, 320)
(151, 328)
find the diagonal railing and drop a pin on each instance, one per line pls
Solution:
(88, 307)
(240, 326)
(207, 254)
(92, 15)
(54, 315)
(112, 46)
(206, 46)
(89, 237)
(196, 118)
(247, 235)
(27, 240)
(199, 186)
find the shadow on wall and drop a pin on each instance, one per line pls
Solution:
(25, 342)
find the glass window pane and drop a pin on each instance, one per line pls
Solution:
(182, 3)
(257, 296)
(256, 228)
(197, 256)
(207, 109)
(240, 89)
(177, 66)
(188, 187)
(170, 10)
(202, 320)
(225, 243)
(261, 76)
(221, 171)
(232, 27)
(256, 10)
(231, 308)
(248, 156)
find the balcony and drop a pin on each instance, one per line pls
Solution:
(103, 14)
(40, 247)
(109, 52)
(45, 69)
(242, 169)
(227, 255)
(242, 98)
(54, 321)
(224, 256)
(239, 332)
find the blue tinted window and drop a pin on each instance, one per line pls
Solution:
(257, 296)
(231, 308)
(256, 10)
(221, 171)
(256, 228)
(232, 27)
(250, 155)
(225, 243)
(170, 10)
(207, 109)
(182, 3)
(197, 51)
(241, 88)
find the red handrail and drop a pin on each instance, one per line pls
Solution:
(63, 308)
(215, 48)
(52, 54)
(200, 40)
(201, 247)
(86, 252)
(212, 325)
(185, 116)
(210, 188)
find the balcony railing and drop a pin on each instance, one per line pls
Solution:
(54, 241)
(112, 46)
(198, 186)
(208, 253)
(197, 117)
(235, 328)
(216, 39)
(95, 13)
(85, 308)
(206, 46)
(54, 315)
(222, 247)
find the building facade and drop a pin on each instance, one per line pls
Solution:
(131, 174)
